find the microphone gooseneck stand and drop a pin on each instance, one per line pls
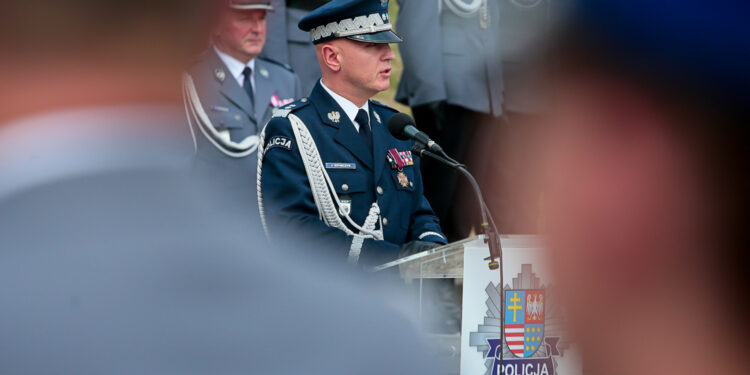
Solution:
(488, 223)
(492, 235)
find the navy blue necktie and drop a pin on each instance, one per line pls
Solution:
(363, 119)
(247, 84)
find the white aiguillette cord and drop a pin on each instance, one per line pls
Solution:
(195, 113)
(465, 9)
(323, 191)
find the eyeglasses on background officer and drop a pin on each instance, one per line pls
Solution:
(328, 165)
(290, 45)
(230, 95)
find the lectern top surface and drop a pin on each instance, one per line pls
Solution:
(458, 245)
(506, 241)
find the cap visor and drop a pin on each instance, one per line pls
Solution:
(387, 36)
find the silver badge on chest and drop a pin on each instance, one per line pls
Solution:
(346, 207)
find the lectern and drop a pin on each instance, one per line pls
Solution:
(533, 339)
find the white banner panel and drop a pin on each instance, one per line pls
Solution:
(534, 340)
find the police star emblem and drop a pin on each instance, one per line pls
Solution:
(531, 346)
(334, 116)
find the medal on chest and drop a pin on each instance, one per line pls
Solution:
(398, 160)
(402, 179)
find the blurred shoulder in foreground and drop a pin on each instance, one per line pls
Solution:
(118, 261)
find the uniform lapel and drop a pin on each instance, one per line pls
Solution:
(264, 89)
(381, 141)
(346, 134)
(229, 86)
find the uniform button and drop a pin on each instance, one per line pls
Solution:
(379, 190)
(411, 184)
(385, 222)
(344, 187)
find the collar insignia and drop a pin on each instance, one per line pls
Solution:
(220, 75)
(263, 72)
(377, 117)
(334, 116)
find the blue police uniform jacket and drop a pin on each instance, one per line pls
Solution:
(358, 175)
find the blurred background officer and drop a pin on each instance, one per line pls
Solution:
(525, 27)
(453, 81)
(330, 166)
(290, 45)
(233, 97)
(112, 260)
(646, 184)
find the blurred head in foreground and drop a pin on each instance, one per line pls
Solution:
(72, 53)
(112, 259)
(646, 184)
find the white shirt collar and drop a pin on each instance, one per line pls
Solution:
(349, 108)
(236, 66)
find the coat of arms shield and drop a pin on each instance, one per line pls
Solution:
(524, 321)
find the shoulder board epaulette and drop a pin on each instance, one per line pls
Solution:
(279, 63)
(383, 105)
(285, 110)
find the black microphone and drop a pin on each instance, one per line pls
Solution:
(402, 127)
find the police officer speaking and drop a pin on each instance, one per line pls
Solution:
(230, 95)
(328, 165)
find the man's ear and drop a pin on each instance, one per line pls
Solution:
(331, 56)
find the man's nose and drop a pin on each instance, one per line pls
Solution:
(389, 54)
(256, 27)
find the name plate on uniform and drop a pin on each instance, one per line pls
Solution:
(341, 166)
